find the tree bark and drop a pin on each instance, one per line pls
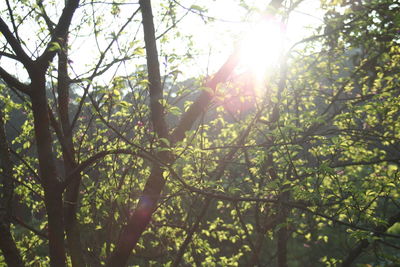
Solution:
(7, 244)
(71, 195)
(283, 230)
(141, 217)
(8, 247)
(47, 168)
(153, 68)
(51, 182)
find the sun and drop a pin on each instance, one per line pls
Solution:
(261, 48)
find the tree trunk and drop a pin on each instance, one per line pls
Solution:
(48, 173)
(139, 219)
(283, 230)
(8, 247)
(7, 244)
(71, 195)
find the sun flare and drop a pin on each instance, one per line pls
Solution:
(261, 47)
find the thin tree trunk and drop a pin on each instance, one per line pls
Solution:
(283, 230)
(71, 196)
(37, 91)
(8, 247)
(190, 233)
(139, 219)
(7, 244)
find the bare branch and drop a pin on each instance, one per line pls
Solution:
(9, 55)
(13, 20)
(13, 82)
(60, 32)
(15, 45)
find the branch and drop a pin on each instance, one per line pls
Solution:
(191, 232)
(378, 231)
(15, 45)
(60, 32)
(82, 166)
(13, 20)
(59, 133)
(205, 97)
(29, 167)
(217, 174)
(366, 162)
(96, 70)
(9, 55)
(50, 24)
(8, 248)
(153, 67)
(364, 243)
(13, 82)
(30, 228)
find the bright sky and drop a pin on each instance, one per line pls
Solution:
(213, 42)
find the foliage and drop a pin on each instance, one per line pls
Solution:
(302, 170)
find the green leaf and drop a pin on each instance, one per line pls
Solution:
(54, 46)
(175, 111)
(198, 8)
(165, 141)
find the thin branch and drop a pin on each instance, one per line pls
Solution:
(82, 166)
(49, 23)
(13, 82)
(13, 20)
(15, 45)
(30, 228)
(59, 32)
(364, 243)
(9, 55)
(301, 206)
(96, 69)
(26, 164)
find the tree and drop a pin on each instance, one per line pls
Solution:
(134, 162)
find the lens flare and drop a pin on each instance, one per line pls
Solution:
(261, 48)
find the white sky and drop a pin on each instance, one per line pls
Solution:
(213, 41)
